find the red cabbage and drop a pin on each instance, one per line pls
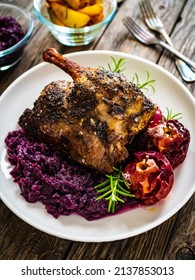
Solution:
(61, 184)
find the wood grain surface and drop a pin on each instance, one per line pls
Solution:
(175, 238)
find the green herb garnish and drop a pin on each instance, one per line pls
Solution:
(113, 188)
(116, 66)
(146, 84)
(171, 115)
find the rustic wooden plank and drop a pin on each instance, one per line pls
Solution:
(121, 40)
(30, 243)
(155, 239)
(181, 245)
(115, 38)
(179, 37)
(26, 4)
(33, 52)
(18, 240)
(172, 239)
(149, 245)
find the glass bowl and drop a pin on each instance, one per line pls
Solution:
(74, 36)
(13, 54)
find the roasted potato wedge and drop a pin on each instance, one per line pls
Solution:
(92, 10)
(97, 18)
(79, 4)
(53, 18)
(69, 17)
(75, 13)
(74, 4)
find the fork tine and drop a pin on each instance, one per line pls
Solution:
(149, 14)
(149, 8)
(136, 30)
(130, 27)
(129, 23)
(144, 9)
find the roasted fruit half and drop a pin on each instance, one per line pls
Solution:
(150, 176)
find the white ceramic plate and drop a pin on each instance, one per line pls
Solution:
(169, 93)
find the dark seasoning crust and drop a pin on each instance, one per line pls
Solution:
(91, 118)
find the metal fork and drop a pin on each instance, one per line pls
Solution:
(155, 24)
(148, 38)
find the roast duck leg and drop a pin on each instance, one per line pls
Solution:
(92, 118)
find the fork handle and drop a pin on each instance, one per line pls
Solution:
(184, 69)
(177, 54)
(166, 37)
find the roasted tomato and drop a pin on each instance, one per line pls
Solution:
(150, 176)
(171, 138)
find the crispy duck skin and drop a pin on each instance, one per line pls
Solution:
(92, 118)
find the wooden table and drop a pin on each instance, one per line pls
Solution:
(175, 238)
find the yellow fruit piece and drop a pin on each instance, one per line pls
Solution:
(68, 16)
(79, 4)
(73, 3)
(54, 19)
(92, 10)
(97, 19)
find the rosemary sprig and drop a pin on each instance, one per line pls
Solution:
(113, 188)
(171, 115)
(116, 66)
(146, 84)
